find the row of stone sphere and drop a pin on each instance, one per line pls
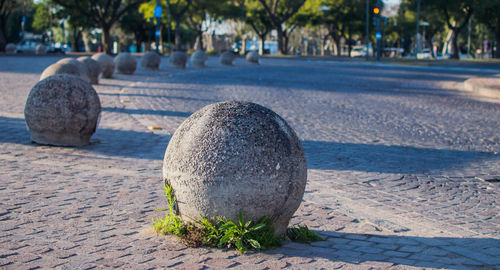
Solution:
(90, 68)
(11, 48)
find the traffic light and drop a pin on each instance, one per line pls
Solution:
(376, 10)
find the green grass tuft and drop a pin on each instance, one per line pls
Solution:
(219, 232)
(303, 234)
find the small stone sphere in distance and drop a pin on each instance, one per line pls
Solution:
(107, 64)
(198, 58)
(125, 63)
(84, 72)
(40, 49)
(64, 68)
(10, 48)
(236, 156)
(226, 58)
(151, 60)
(93, 68)
(62, 110)
(252, 57)
(178, 59)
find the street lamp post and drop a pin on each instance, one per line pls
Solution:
(367, 32)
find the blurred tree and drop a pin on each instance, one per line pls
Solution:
(258, 19)
(178, 9)
(134, 23)
(488, 13)
(11, 12)
(103, 13)
(456, 16)
(279, 12)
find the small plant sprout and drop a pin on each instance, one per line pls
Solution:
(219, 232)
(303, 234)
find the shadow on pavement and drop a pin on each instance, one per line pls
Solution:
(109, 142)
(384, 158)
(157, 96)
(438, 252)
(150, 112)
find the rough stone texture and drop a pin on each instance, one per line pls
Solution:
(226, 58)
(125, 63)
(40, 49)
(107, 64)
(178, 59)
(233, 156)
(10, 48)
(64, 68)
(151, 60)
(198, 58)
(82, 68)
(62, 110)
(93, 68)
(252, 57)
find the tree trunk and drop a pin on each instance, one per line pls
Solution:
(106, 39)
(454, 45)
(497, 39)
(336, 40)
(262, 40)
(199, 37)
(75, 40)
(281, 47)
(86, 40)
(178, 42)
(349, 45)
(3, 40)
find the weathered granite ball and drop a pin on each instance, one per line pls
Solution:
(178, 59)
(84, 72)
(233, 156)
(40, 49)
(226, 58)
(10, 48)
(65, 67)
(198, 58)
(62, 110)
(107, 64)
(93, 68)
(151, 60)
(252, 57)
(125, 63)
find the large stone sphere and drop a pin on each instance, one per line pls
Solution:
(107, 64)
(226, 58)
(233, 156)
(125, 63)
(62, 110)
(198, 58)
(178, 59)
(93, 68)
(64, 67)
(10, 48)
(84, 72)
(40, 49)
(151, 60)
(252, 57)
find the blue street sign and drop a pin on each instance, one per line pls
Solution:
(378, 36)
(157, 33)
(158, 12)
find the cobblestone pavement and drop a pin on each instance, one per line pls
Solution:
(404, 169)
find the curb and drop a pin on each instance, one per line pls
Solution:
(478, 86)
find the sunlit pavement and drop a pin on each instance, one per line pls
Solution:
(404, 167)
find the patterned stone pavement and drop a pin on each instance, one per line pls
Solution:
(403, 169)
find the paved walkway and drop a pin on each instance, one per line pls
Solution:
(402, 172)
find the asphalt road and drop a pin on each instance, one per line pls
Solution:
(403, 167)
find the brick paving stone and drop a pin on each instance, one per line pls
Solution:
(387, 167)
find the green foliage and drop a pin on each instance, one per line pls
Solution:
(170, 224)
(245, 235)
(303, 234)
